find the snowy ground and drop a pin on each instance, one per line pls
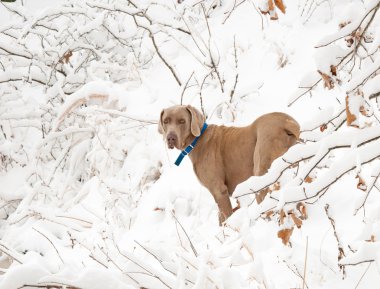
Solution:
(90, 196)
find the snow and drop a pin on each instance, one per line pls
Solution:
(89, 194)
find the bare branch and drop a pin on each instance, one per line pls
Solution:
(55, 248)
(341, 253)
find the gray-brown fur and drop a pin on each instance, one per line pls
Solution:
(226, 156)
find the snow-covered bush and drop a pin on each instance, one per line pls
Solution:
(89, 197)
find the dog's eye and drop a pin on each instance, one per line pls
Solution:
(181, 121)
(166, 121)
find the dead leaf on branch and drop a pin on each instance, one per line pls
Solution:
(364, 110)
(354, 37)
(270, 5)
(269, 215)
(285, 235)
(341, 254)
(282, 217)
(276, 186)
(261, 195)
(361, 184)
(308, 179)
(66, 57)
(159, 209)
(327, 80)
(343, 24)
(271, 8)
(297, 221)
(372, 239)
(280, 5)
(323, 127)
(237, 206)
(301, 207)
(351, 118)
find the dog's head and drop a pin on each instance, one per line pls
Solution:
(180, 124)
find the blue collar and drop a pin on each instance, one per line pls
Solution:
(190, 147)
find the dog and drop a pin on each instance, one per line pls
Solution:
(222, 156)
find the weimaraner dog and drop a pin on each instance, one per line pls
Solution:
(222, 156)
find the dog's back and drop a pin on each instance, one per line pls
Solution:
(226, 156)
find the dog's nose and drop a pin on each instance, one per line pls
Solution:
(172, 140)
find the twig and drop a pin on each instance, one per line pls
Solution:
(357, 263)
(48, 285)
(213, 65)
(96, 260)
(237, 74)
(258, 12)
(164, 60)
(341, 253)
(304, 267)
(147, 272)
(308, 89)
(126, 273)
(295, 271)
(374, 95)
(55, 248)
(6, 250)
(365, 272)
(366, 196)
(208, 26)
(200, 94)
(376, 8)
(160, 261)
(188, 238)
(236, 5)
(185, 87)
(309, 156)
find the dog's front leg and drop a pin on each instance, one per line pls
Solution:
(222, 199)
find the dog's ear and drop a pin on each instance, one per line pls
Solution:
(160, 126)
(197, 120)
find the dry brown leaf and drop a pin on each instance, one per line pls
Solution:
(276, 186)
(261, 195)
(270, 10)
(284, 235)
(66, 57)
(363, 110)
(327, 80)
(341, 253)
(351, 118)
(297, 221)
(280, 5)
(302, 209)
(333, 70)
(308, 179)
(361, 183)
(270, 5)
(159, 209)
(282, 216)
(237, 206)
(372, 240)
(323, 127)
(269, 214)
(343, 24)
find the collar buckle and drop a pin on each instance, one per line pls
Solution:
(190, 147)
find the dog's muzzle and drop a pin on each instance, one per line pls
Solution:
(172, 140)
